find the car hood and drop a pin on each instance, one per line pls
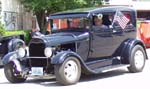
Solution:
(61, 38)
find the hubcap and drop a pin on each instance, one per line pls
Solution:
(71, 70)
(139, 59)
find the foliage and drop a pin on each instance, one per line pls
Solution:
(39, 7)
(53, 6)
(2, 29)
(26, 33)
(4, 32)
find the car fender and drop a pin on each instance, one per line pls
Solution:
(13, 43)
(12, 57)
(129, 45)
(60, 57)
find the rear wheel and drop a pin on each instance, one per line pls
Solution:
(12, 74)
(69, 71)
(137, 59)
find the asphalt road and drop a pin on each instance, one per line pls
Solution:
(116, 79)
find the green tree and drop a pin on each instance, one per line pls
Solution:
(2, 29)
(51, 6)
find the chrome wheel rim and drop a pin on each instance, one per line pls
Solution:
(71, 70)
(139, 59)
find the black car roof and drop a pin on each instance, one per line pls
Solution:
(111, 9)
(84, 12)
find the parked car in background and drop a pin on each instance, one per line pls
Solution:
(143, 32)
(76, 47)
(9, 44)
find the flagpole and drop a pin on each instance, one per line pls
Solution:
(114, 17)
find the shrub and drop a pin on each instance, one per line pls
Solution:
(26, 34)
(2, 29)
(4, 32)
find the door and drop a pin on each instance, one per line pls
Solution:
(101, 37)
(124, 28)
(101, 44)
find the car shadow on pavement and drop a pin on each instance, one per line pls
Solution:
(84, 78)
(109, 74)
(44, 82)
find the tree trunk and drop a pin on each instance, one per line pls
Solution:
(41, 20)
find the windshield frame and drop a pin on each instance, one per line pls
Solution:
(68, 15)
(81, 16)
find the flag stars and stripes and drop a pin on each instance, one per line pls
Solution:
(121, 19)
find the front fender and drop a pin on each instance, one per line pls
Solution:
(12, 57)
(60, 57)
(9, 57)
(14, 44)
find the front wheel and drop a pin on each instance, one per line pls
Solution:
(137, 59)
(12, 74)
(69, 71)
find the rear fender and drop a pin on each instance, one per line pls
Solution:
(140, 42)
(128, 48)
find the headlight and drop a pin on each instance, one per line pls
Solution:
(48, 52)
(21, 52)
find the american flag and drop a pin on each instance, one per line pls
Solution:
(121, 19)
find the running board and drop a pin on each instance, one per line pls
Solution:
(102, 63)
(109, 68)
(100, 66)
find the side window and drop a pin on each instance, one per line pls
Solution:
(122, 20)
(101, 22)
(105, 19)
(129, 24)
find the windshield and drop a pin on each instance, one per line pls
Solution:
(69, 23)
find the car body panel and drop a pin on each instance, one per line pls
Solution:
(9, 57)
(63, 38)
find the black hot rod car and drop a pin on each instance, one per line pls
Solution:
(76, 47)
(9, 44)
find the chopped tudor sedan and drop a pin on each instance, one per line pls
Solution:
(76, 47)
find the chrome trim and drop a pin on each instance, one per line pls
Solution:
(24, 58)
(38, 57)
